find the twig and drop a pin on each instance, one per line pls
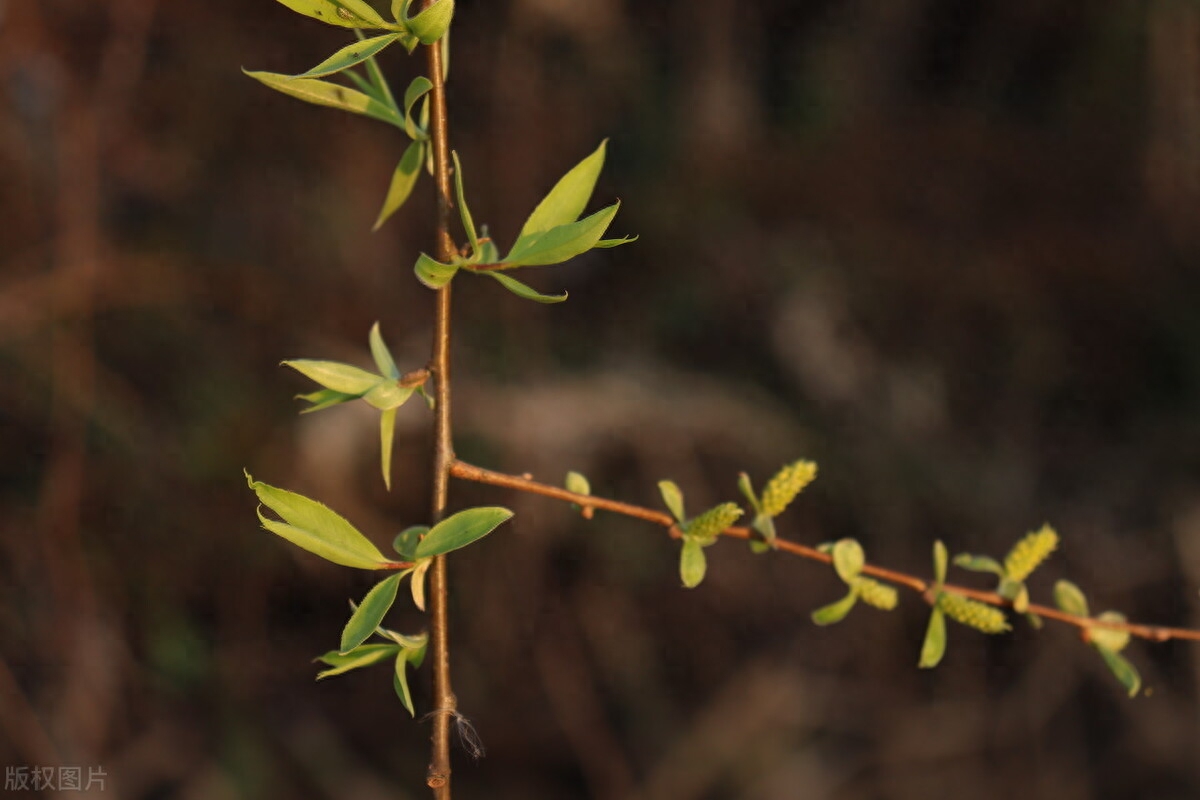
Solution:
(470, 472)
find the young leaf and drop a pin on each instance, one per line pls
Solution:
(577, 483)
(324, 398)
(978, 564)
(934, 646)
(562, 243)
(1109, 638)
(337, 376)
(433, 274)
(604, 244)
(332, 95)
(464, 212)
(369, 613)
(362, 656)
(350, 55)
(673, 498)
(692, 564)
(432, 23)
(835, 612)
(343, 13)
(400, 682)
(316, 528)
(939, 562)
(848, 559)
(566, 201)
(521, 290)
(418, 582)
(388, 395)
(404, 178)
(461, 529)
(1124, 671)
(747, 490)
(406, 541)
(381, 354)
(387, 434)
(418, 88)
(1069, 598)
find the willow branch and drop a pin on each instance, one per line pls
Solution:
(465, 471)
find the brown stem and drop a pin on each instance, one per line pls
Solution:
(437, 776)
(465, 471)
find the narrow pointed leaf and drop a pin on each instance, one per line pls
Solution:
(417, 584)
(370, 613)
(381, 354)
(337, 376)
(388, 395)
(934, 646)
(562, 243)
(433, 274)
(835, 612)
(350, 55)
(379, 80)
(406, 541)
(362, 656)
(566, 201)
(400, 683)
(1124, 671)
(692, 564)
(607, 243)
(404, 178)
(343, 13)
(432, 23)
(939, 562)
(463, 211)
(978, 563)
(418, 88)
(387, 434)
(747, 490)
(673, 498)
(324, 398)
(462, 529)
(1069, 598)
(522, 290)
(316, 528)
(366, 87)
(332, 95)
(848, 559)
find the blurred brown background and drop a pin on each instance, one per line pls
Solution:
(946, 249)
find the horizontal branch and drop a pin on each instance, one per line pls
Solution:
(470, 472)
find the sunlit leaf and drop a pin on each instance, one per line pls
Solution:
(673, 498)
(432, 23)
(387, 434)
(563, 242)
(417, 584)
(692, 564)
(461, 529)
(418, 88)
(335, 375)
(406, 541)
(1109, 638)
(343, 13)
(934, 646)
(400, 682)
(939, 562)
(522, 290)
(1124, 671)
(566, 201)
(463, 211)
(362, 656)
(1069, 598)
(604, 244)
(577, 483)
(324, 398)
(835, 612)
(350, 55)
(388, 395)
(433, 274)
(978, 563)
(848, 559)
(404, 178)
(369, 613)
(747, 490)
(332, 95)
(315, 527)
(381, 354)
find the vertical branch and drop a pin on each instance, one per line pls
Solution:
(438, 774)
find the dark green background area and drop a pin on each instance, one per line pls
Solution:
(947, 250)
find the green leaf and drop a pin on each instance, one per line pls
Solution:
(566, 201)
(747, 490)
(432, 23)
(369, 613)
(1069, 598)
(418, 88)
(461, 529)
(400, 682)
(1124, 671)
(835, 612)
(378, 79)
(362, 656)
(562, 243)
(673, 498)
(521, 290)
(433, 274)
(366, 87)
(343, 13)
(1021, 601)
(577, 483)
(418, 582)
(765, 525)
(464, 212)
(934, 646)
(939, 562)
(381, 354)
(978, 564)
(326, 93)
(387, 434)
(324, 398)
(406, 541)
(604, 244)
(316, 528)
(692, 564)
(337, 376)
(350, 55)
(388, 395)
(848, 559)
(1109, 638)
(404, 178)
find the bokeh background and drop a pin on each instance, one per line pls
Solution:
(946, 249)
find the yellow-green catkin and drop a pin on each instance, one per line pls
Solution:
(972, 613)
(786, 484)
(876, 594)
(709, 525)
(1028, 553)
